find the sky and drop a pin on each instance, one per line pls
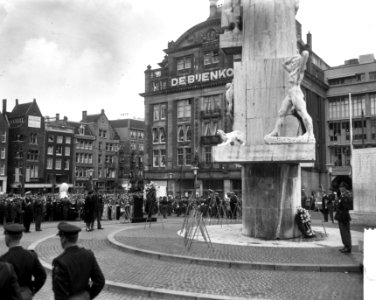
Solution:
(76, 55)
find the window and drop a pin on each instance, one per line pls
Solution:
(49, 163)
(156, 110)
(141, 147)
(372, 75)
(208, 154)
(358, 105)
(210, 128)
(133, 134)
(99, 146)
(33, 138)
(67, 151)
(184, 156)
(2, 169)
(155, 158)
(372, 99)
(4, 137)
(50, 150)
(348, 79)
(184, 109)
(99, 159)
(184, 63)
(59, 150)
(211, 104)
(67, 139)
(59, 139)
(90, 158)
(33, 171)
(211, 58)
(2, 153)
(181, 133)
(162, 135)
(340, 156)
(188, 133)
(163, 157)
(133, 146)
(51, 138)
(58, 164)
(140, 135)
(33, 155)
(155, 135)
(81, 130)
(339, 108)
(66, 163)
(159, 112)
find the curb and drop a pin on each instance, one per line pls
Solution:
(353, 268)
(147, 292)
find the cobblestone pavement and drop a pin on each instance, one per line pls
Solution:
(128, 268)
(164, 239)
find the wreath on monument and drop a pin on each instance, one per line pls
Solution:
(303, 221)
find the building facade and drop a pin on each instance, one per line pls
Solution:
(59, 155)
(105, 151)
(185, 105)
(356, 78)
(131, 152)
(26, 147)
(4, 141)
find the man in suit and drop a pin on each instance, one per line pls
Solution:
(75, 267)
(30, 272)
(345, 203)
(9, 288)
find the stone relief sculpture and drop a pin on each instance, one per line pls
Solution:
(230, 102)
(235, 137)
(232, 16)
(294, 101)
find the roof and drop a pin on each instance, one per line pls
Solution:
(20, 110)
(77, 125)
(91, 118)
(125, 123)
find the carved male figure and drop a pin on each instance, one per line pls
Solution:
(295, 97)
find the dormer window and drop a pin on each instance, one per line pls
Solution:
(184, 64)
(81, 130)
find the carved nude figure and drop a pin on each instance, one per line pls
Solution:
(233, 17)
(294, 99)
(230, 101)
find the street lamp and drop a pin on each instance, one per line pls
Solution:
(195, 170)
(169, 182)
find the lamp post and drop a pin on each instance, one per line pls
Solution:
(195, 170)
(169, 182)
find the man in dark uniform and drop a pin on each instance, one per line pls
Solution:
(75, 267)
(38, 212)
(27, 207)
(345, 203)
(9, 288)
(30, 272)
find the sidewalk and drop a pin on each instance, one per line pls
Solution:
(150, 277)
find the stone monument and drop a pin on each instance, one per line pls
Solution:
(266, 87)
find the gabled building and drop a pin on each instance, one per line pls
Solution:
(26, 147)
(131, 151)
(4, 141)
(59, 139)
(105, 151)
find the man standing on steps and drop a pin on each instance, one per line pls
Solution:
(345, 203)
(75, 268)
(30, 272)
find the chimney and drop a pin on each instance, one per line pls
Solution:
(16, 102)
(309, 40)
(84, 115)
(4, 106)
(102, 111)
(57, 117)
(65, 118)
(213, 8)
(35, 100)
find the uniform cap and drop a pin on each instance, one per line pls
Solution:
(344, 185)
(13, 228)
(67, 229)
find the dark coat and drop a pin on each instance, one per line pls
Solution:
(89, 209)
(9, 288)
(345, 203)
(26, 265)
(72, 271)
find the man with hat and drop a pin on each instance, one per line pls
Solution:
(75, 267)
(30, 272)
(345, 203)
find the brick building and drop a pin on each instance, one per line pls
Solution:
(4, 141)
(26, 146)
(105, 150)
(131, 151)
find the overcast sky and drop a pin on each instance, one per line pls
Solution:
(75, 55)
